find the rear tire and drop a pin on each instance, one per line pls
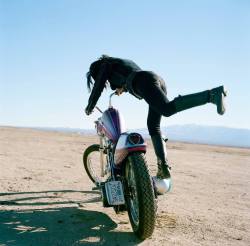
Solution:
(140, 196)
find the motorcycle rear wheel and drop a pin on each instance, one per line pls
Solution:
(140, 198)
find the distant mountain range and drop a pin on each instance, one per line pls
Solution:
(186, 133)
(214, 135)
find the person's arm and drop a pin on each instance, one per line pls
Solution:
(97, 89)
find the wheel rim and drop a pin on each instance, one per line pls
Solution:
(94, 166)
(133, 197)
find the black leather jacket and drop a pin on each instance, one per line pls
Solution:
(118, 72)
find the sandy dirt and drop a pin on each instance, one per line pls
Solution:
(46, 197)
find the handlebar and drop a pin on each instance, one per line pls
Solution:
(112, 94)
(110, 105)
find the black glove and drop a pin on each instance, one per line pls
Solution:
(87, 111)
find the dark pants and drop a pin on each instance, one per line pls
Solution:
(153, 90)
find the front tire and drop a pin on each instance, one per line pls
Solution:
(140, 196)
(92, 163)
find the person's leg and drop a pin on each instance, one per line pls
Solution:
(215, 96)
(154, 94)
(153, 122)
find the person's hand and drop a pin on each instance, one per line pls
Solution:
(87, 111)
(119, 91)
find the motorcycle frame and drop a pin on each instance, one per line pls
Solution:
(113, 154)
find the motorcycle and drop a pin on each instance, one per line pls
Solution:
(118, 168)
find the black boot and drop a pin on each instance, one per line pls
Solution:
(163, 170)
(161, 153)
(216, 96)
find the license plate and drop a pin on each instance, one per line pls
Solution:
(114, 191)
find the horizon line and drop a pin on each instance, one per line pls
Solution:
(68, 127)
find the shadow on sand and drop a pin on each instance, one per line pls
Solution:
(56, 226)
(26, 200)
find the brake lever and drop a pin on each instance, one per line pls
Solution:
(99, 109)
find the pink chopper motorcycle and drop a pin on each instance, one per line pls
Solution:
(117, 166)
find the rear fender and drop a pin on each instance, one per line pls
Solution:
(128, 143)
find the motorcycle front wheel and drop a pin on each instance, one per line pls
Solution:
(92, 163)
(140, 198)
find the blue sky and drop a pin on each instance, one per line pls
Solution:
(46, 48)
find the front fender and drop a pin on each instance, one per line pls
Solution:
(125, 145)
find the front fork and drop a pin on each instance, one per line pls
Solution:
(102, 157)
(112, 190)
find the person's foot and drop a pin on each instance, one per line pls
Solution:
(216, 96)
(163, 171)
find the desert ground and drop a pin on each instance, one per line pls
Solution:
(46, 197)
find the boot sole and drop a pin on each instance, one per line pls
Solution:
(221, 110)
(223, 91)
